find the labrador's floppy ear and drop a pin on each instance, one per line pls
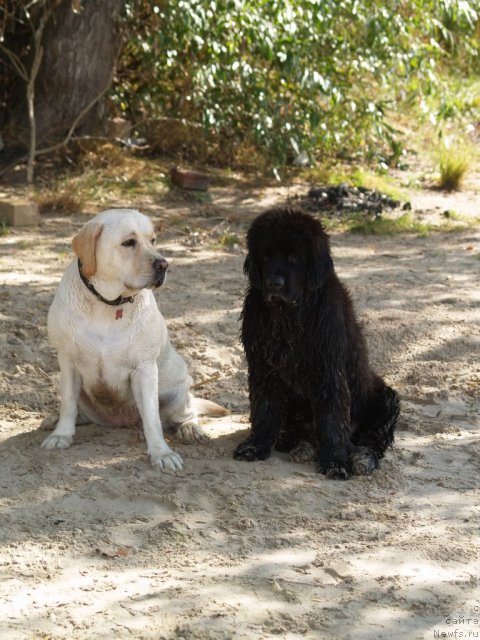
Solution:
(321, 262)
(251, 270)
(84, 245)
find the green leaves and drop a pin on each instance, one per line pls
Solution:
(290, 76)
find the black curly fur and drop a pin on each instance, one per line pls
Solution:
(309, 375)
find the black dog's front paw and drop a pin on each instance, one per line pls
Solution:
(252, 450)
(335, 469)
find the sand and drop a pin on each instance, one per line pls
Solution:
(95, 543)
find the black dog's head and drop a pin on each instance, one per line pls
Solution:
(288, 254)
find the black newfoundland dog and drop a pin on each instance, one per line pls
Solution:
(312, 390)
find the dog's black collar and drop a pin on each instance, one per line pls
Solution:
(90, 287)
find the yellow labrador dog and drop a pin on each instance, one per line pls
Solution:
(117, 365)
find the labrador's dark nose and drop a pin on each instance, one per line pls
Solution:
(159, 265)
(275, 282)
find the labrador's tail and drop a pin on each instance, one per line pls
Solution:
(209, 408)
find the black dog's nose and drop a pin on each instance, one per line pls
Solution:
(160, 264)
(275, 282)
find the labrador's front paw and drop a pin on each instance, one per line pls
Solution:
(166, 460)
(57, 442)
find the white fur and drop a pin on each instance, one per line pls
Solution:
(118, 370)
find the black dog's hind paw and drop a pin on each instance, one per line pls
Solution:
(335, 470)
(364, 461)
(251, 450)
(303, 452)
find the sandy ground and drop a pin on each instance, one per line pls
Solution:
(94, 543)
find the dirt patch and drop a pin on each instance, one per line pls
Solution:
(97, 544)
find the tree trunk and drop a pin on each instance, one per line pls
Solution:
(80, 51)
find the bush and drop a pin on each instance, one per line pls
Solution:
(282, 77)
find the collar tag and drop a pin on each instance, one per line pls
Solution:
(119, 314)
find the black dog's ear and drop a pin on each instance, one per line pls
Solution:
(321, 264)
(251, 270)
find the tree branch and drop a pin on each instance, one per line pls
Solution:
(16, 62)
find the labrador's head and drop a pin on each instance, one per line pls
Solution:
(117, 246)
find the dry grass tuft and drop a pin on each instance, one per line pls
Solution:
(61, 202)
(453, 168)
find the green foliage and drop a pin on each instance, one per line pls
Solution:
(282, 77)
